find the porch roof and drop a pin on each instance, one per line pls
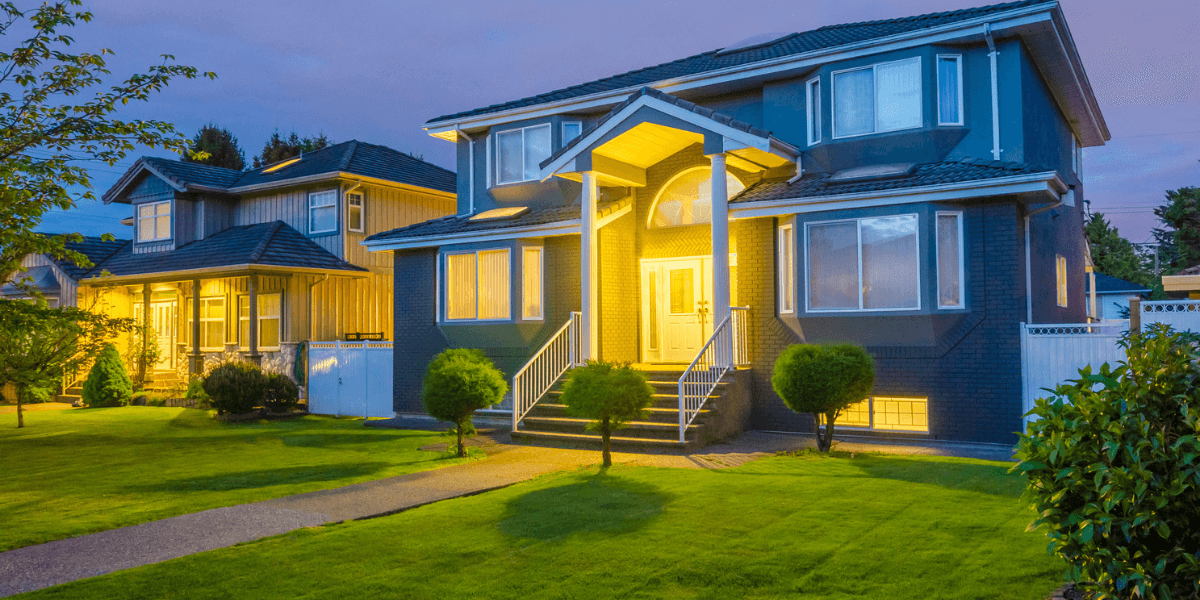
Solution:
(270, 246)
(651, 125)
(40, 278)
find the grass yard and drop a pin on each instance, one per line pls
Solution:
(80, 471)
(783, 527)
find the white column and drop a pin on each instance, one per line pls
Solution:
(720, 250)
(589, 260)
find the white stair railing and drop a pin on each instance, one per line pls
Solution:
(530, 384)
(725, 350)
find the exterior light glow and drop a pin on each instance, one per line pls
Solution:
(273, 168)
(500, 213)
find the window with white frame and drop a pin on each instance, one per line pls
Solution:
(950, 259)
(154, 221)
(878, 98)
(571, 130)
(887, 414)
(863, 264)
(686, 199)
(1077, 157)
(1060, 276)
(354, 212)
(212, 323)
(477, 285)
(950, 96)
(269, 306)
(531, 288)
(787, 269)
(519, 152)
(813, 101)
(322, 211)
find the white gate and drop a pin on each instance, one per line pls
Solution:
(1052, 354)
(350, 378)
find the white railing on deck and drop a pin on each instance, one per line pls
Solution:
(538, 375)
(726, 349)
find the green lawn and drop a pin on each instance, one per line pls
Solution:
(783, 527)
(80, 471)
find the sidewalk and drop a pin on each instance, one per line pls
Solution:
(44, 565)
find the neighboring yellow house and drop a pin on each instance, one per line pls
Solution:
(253, 262)
(1187, 280)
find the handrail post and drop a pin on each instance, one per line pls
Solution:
(682, 414)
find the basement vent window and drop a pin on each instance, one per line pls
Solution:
(887, 414)
(500, 213)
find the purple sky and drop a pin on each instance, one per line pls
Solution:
(376, 70)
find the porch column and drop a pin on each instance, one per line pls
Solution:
(196, 365)
(147, 323)
(589, 280)
(252, 346)
(720, 247)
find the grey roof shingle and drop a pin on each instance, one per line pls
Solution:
(819, 184)
(797, 43)
(264, 244)
(458, 224)
(182, 172)
(97, 250)
(665, 97)
(1107, 284)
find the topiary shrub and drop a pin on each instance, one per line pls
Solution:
(108, 382)
(1113, 467)
(610, 394)
(195, 391)
(280, 393)
(235, 387)
(459, 382)
(823, 381)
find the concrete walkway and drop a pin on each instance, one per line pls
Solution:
(44, 565)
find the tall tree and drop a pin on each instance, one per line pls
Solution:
(1114, 255)
(1181, 218)
(216, 146)
(280, 148)
(57, 109)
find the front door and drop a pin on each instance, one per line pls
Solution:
(163, 315)
(676, 308)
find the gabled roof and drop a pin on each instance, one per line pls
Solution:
(96, 249)
(40, 278)
(930, 174)
(830, 36)
(1107, 284)
(352, 157)
(273, 244)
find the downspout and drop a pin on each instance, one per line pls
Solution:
(992, 54)
(799, 171)
(312, 330)
(470, 169)
(1028, 260)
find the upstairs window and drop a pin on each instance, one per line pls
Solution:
(354, 212)
(950, 98)
(477, 285)
(154, 221)
(813, 100)
(863, 264)
(322, 212)
(878, 98)
(571, 130)
(687, 198)
(519, 152)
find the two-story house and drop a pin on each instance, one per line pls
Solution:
(256, 262)
(910, 185)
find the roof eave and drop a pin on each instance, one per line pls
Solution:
(212, 272)
(336, 175)
(569, 227)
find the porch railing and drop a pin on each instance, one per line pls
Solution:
(538, 375)
(725, 350)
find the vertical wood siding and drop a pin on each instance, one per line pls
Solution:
(291, 207)
(67, 286)
(386, 209)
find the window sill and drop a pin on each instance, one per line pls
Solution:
(474, 321)
(313, 234)
(859, 135)
(155, 241)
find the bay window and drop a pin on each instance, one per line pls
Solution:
(477, 285)
(787, 268)
(322, 211)
(863, 264)
(813, 101)
(878, 98)
(519, 152)
(531, 273)
(950, 259)
(950, 100)
(154, 221)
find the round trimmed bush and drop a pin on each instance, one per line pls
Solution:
(1113, 463)
(823, 380)
(280, 393)
(610, 394)
(108, 382)
(458, 382)
(235, 387)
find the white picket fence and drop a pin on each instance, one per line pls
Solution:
(350, 379)
(1183, 315)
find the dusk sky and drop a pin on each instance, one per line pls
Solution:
(375, 71)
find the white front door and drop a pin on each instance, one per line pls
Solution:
(676, 308)
(163, 315)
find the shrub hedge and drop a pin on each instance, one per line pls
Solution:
(108, 383)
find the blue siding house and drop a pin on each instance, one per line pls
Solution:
(910, 185)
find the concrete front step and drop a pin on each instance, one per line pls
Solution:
(667, 401)
(593, 441)
(653, 414)
(642, 430)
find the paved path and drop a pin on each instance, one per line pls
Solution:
(12, 408)
(44, 565)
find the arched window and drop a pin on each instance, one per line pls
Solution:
(687, 198)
